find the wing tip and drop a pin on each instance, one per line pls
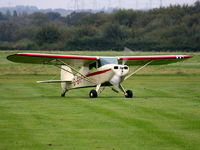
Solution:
(10, 57)
(188, 56)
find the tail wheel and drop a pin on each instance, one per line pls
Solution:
(62, 95)
(129, 94)
(93, 94)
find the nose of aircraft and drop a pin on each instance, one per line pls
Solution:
(119, 72)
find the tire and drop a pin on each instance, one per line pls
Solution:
(129, 94)
(93, 94)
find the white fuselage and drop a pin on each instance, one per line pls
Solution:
(109, 74)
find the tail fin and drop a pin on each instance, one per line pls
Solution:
(65, 75)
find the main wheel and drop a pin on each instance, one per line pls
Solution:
(129, 94)
(93, 94)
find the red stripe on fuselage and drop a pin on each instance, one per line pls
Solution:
(98, 72)
(89, 75)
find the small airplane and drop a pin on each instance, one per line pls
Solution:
(95, 71)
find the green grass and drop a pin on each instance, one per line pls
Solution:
(164, 115)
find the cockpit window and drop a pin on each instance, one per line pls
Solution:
(107, 60)
(93, 66)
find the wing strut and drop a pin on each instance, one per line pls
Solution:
(138, 69)
(81, 75)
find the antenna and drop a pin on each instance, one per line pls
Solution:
(100, 5)
(76, 5)
(9, 3)
(109, 3)
(68, 6)
(119, 4)
(150, 4)
(95, 7)
(83, 4)
(161, 3)
(136, 4)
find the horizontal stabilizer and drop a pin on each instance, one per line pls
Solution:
(53, 81)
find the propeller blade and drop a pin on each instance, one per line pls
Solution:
(124, 61)
(127, 52)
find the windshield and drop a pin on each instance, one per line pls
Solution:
(107, 60)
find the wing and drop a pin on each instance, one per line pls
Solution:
(156, 60)
(38, 58)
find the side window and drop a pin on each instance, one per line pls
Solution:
(99, 63)
(93, 66)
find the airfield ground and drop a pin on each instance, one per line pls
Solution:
(164, 115)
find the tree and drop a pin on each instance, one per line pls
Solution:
(113, 32)
(15, 14)
(53, 16)
(48, 34)
(8, 14)
(8, 31)
(39, 18)
(2, 17)
(197, 6)
(76, 18)
(125, 17)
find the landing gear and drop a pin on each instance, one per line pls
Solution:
(63, 93)
(129, 94)
(93, 94)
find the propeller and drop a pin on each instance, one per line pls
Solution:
(126, 52)
(117, 78)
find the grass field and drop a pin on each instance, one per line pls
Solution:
(164, 115)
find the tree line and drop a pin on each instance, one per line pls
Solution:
(174, 28)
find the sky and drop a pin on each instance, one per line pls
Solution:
(94, 4)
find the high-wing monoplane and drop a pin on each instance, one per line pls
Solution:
(95, 71)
